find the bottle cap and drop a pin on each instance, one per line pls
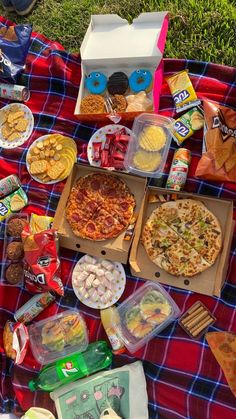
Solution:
(32, 385)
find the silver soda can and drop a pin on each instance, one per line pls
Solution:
(14, 92)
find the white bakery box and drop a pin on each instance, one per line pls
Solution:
(112, 44)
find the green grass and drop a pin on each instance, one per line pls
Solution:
(199, 29)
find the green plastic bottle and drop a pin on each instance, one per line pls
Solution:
(96, 357)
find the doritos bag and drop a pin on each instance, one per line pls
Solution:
(218, 161)
(14, 46)
(41, 263)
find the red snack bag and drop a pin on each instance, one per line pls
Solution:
(41, 263)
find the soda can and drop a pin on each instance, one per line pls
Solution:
(179, 169)
(14, 92)
(8, 185)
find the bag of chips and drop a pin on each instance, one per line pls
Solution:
(218, 161)
(14, 46)
(41, 263)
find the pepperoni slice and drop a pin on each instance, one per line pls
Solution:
(90, 227)
(124, 206)
(109, 221)
(95, 185)
(110, 192)
(80, 197)
(91, 205)
(76, 217)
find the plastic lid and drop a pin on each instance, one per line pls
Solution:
(32, 385)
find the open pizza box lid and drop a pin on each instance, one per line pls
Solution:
(112, 44)
(208, 282)
(116, 249)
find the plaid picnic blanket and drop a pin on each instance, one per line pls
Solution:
(183, 378)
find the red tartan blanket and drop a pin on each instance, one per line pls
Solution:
(183, 378)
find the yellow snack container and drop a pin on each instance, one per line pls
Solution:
(182, 91)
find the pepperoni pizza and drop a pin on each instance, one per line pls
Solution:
(100, 207)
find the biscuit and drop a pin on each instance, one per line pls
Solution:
(38, 167)
(15, 115)
(14, 136)
(21, 125)
(55, 171)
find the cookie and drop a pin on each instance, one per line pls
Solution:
(92, 104)
(14, 273)
(15, 226)
(15, 250)
(119, 103)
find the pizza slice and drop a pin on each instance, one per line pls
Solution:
(180, 259)
(157, 236)
(121, 208)
(102, 226)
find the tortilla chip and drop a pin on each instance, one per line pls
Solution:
(221, 154)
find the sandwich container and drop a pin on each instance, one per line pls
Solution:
(58, 336)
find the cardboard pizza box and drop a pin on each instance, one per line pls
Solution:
(208, 282)
(116, 249)
(112, 44)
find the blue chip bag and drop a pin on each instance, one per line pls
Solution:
(14, 46)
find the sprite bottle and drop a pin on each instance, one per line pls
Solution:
(65, 370)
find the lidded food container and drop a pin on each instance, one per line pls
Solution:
(144, 314)
(58, 336)
(149, 145)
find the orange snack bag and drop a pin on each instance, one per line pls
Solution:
(223, 347)
(218, 161)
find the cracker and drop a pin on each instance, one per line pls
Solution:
(38, 167)
(55, 171)
(14, 136)
(21, 125)
(6, 131)
(15, 115)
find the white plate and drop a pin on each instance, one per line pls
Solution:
(24, 135)
(117, 292)
(100, 135)
(44, 137)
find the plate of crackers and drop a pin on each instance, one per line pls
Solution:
(16, 125)
(51, 158)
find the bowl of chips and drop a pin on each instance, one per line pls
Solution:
(16, 125)
(51, 158)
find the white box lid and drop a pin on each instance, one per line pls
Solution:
(111, 37)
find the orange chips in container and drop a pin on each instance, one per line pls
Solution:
(218, 161)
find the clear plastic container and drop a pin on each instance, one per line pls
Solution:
(58, 336)
(144, 314)
(149, 145)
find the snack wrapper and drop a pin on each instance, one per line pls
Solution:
(33, 307)
(15, 341)
(218, 161)
(12, 203)
(14, 46)
(186, 125)
(40, 223)
(182, 91)
(9, 184)
(41, 263)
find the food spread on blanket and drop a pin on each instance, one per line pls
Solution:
(100, 207)
(51, 158)
(218, 160)
(182, 237)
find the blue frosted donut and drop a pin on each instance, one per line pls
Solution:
(139, 80)
(96, 83)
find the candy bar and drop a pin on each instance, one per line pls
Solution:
(97, 148)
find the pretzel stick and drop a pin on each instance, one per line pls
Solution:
(193, 308)
(203, 326)
(192, 315)
(199, 324)
(197, 319)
